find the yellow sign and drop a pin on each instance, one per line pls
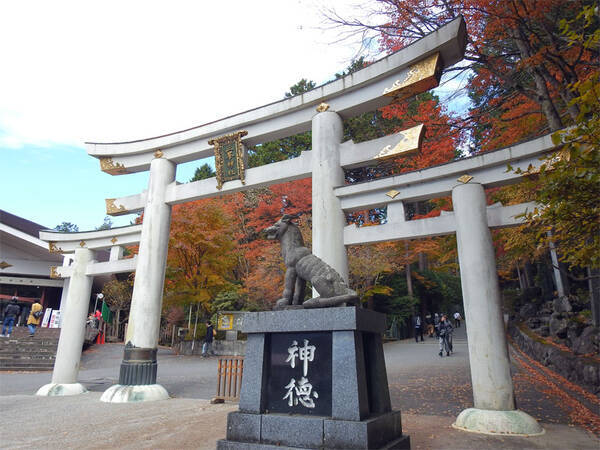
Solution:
(225, 322)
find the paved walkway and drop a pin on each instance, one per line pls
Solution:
(428, 389)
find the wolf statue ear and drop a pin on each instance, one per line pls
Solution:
(287, 217)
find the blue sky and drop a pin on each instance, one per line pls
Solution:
(109, 71)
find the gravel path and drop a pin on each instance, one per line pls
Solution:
(428, 389)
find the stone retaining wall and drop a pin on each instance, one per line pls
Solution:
(581, 370)
(220, 348)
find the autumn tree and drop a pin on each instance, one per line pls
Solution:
(117, 295)
(518, 61)
(568, 182)
(264, 280)
(201, 255)
(567, 185)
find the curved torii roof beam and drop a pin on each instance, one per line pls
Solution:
(113, 238)
(349, 96)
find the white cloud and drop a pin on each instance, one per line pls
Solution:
(118, 70)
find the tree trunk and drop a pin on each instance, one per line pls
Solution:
(528, 272)
(521, 282)
(544, 272)
(409, 285)
(594, 286)
(195, 327)
(541, 89)
(116, 328)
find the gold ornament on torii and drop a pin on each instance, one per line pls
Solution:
(410, 143)
(420, 77)
(112, 209)
(109, 166)
(53, 248)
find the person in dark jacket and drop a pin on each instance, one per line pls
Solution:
(418, 323)
(445, 332)
(208, 339)
(11, 312)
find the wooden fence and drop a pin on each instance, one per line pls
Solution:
(229, 382)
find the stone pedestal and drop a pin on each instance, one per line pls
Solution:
(314, 378)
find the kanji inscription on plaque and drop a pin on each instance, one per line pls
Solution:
(300, 374)
(229, 157)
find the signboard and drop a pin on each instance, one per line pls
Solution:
(230, 320)
(299, 377)
(46, 318)
(55, 319)
(230, 158)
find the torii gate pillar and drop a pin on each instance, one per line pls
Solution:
(72, 334)
(137, 379)
(493, 394)
(328, 220)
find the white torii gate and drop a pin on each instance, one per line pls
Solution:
(79, 277)
(411, 70)
(471, 220)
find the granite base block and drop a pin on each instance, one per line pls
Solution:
(402, 443)
(225, 444)
(268, 431)
(371, 433)
(244, 427)
(304, 432)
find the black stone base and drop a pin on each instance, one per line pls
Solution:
(402, 443)
(347, 370)
(138, 367)
(271, 431)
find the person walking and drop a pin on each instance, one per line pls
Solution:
(445, 335)
(208, 339)
(35, 316)
(418, 327)
(457, 319)
(11, 312)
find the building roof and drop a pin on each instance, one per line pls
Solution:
(24, 225)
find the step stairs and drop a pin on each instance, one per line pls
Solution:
(20, 352)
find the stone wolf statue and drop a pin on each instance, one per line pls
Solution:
(302, 266)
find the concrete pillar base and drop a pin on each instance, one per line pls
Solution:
(507, 423)
(61, 389)
(130, 394)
